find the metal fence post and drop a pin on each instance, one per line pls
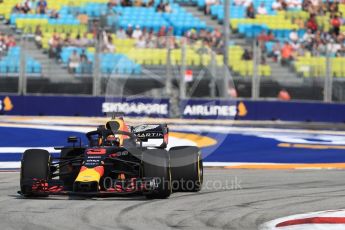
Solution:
(183, 70)
(212, 84)
(226, 35)
(21, 67)
(168, 85)
(328, 86)
(96, 69)
(256, 77)
(24, 78)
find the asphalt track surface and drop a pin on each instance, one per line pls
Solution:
(230, 199)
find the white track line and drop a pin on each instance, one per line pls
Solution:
(272, 225)
(22, 149)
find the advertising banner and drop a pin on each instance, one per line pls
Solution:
(209, 109)
(82, 106)
(190, 109)
(262, 110)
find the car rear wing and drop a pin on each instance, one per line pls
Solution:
(152, 135)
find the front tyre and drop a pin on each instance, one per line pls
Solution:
(35, 166)
(156, 164)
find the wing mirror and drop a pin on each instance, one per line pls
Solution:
(73, 140)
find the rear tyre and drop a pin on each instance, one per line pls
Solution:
(35, 166)
(156, 164)
(186, 168)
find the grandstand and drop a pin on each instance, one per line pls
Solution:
(132, 40)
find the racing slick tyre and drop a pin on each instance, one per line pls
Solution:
(69, 172)
(186, 168)
(35, 166)
(156, 164)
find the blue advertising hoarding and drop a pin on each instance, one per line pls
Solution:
(82, 106)
(190, 109)
(262, 110)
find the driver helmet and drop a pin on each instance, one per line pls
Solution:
(112, 140)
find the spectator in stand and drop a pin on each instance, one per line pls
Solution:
(26, 6)
(140, 43)
(129, 31)
(3, 46)
(320, 49)
(276, 5)
(68, 41)
(263, 37)
(151, 40)
(342, 19)
(126, 3)
(85, 41)
(270, 36)
(208, 4)
(121, 34)
(216, 33)
(293, 36)
(301, 51)
(336, 23)
(294, 4)
(17, 9)
(284, 95)
(167, 8)
(295, 46)
(55, 45)
(112, 3)
(76, 41)
(250, 11)
(262, 9)
(247, 3)
(286, 54)
(333, 47)
(137, 33)
(83, 56)
(160, 7)
(162, 32)
(299, 22)
(85, 65)
(54, 14)
(307, 6)
(307, 39)
(276, 52)
(334, 7)
(38, 36)
(239, 2)
(312, 24)
(247, 55)
(150, 3)
(74, 62)
(10, 41)
(233, 92)
(42, 7)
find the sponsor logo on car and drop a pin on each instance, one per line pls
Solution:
(150, 135)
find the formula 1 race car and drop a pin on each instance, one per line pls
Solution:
(118, 160)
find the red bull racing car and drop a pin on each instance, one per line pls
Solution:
(118, 160)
